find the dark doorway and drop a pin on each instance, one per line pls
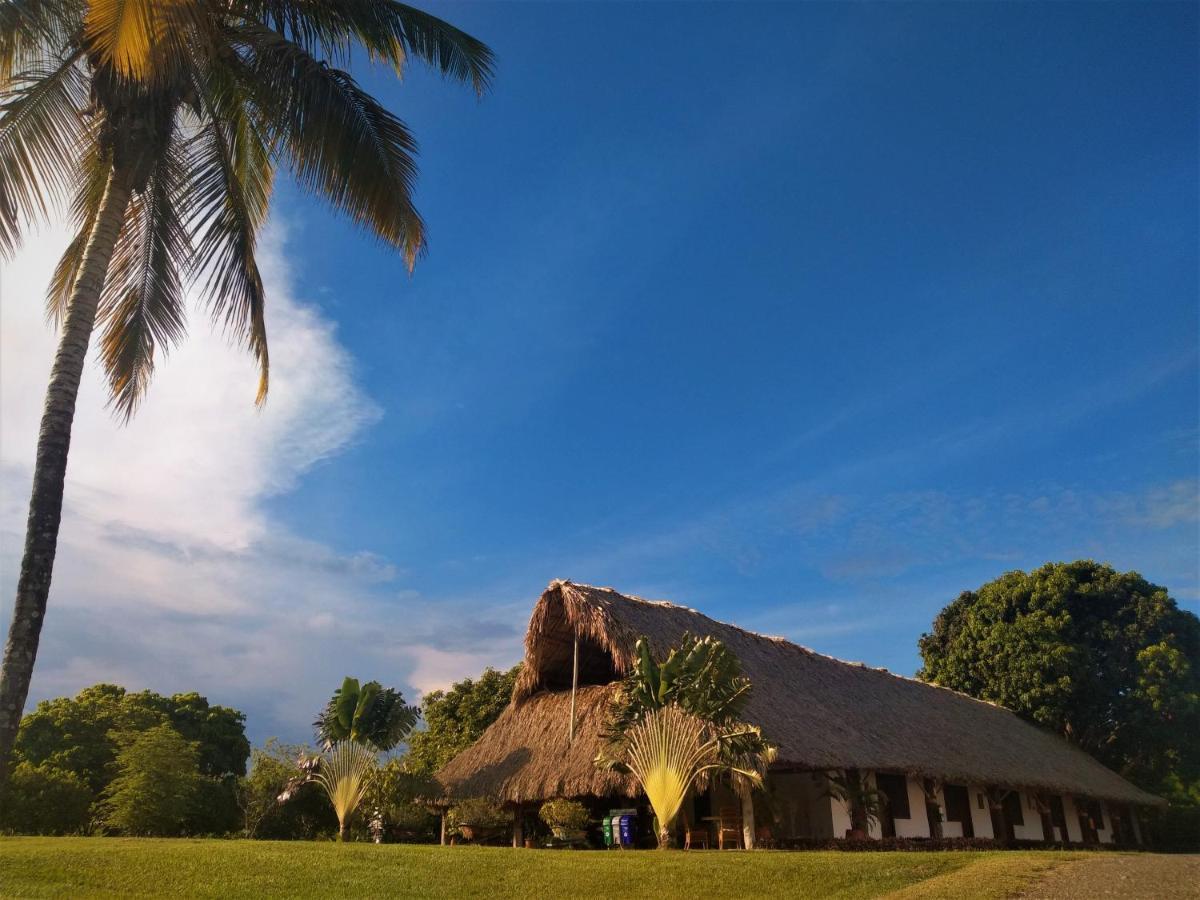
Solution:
(958, 807)
(895, 789)
(1091, 820)
(1058, 818)
(1013, 815)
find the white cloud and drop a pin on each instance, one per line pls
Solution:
(171, 574)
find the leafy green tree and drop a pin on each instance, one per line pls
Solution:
(392, 802)
(1105, 658)
(46, 800)
(166, 123)
(367, 714)
(80, 735)
(155, 789)
(307, 813)
(455, 719)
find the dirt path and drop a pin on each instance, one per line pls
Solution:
(1152, 876)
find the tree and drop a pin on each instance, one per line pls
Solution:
(392, 801)
(304, 816)
(81, 735)
(154, 791)
(345, 773)
(369, 714)
(672, 723)
(46, 800)
(166, 122)
(1104, 658)
(457, 718)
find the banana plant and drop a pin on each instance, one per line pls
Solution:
(701, 676)
(365, 714)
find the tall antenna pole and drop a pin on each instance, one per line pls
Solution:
(574, 688)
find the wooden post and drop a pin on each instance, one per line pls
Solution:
(747, 794)
(518, 829)
(574, 688)
(442, 839)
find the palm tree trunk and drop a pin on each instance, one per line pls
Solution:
(50, 467)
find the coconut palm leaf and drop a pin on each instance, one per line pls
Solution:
(32, 31)
(339, 141)
(387, 30)
(143, 303)
(40, 133)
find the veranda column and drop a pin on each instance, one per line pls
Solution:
(747, 795)
(442, 839)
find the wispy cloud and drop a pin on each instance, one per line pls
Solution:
(171, 572)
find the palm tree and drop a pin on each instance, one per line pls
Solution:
(345, 772)
(668, 750)
(673, 723)
(370, 714)
(165, 120)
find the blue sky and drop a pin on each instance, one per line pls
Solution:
(809, 316)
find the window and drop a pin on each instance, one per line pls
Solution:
(958, 803)
(1058, 815)
(1012, 809)
(895, 788)
(1096, 812)
(980, 796)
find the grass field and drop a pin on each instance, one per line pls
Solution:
(118, 867)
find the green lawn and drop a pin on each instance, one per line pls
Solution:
(119, 867)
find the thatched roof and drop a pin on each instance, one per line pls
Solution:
(822, 713)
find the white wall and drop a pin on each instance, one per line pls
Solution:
(1032, 829)
(917, 825)
(1071, 811)
(841, 817)
(981, 819)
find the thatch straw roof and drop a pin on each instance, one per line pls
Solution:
(822, 713)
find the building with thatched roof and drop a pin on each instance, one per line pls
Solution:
(949, 765)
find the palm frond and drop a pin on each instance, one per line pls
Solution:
(345, 774)
(93, 172)
(142, 306)
(35, 31)
(228, 198)
(145, 40)
(341, 142)
(39, 135)
(387, 30)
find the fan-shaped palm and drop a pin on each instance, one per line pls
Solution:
(370, 714)
(165, 121)
(345, 773)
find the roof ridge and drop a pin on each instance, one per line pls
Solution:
(560, 582)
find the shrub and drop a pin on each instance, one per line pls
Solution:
(391, 802)
(568, 815)
(477, 814)
(1176, 828)
(46, 800)
(305, 816)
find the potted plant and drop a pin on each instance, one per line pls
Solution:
(567, 818)
(863, 801)
(476, 818)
